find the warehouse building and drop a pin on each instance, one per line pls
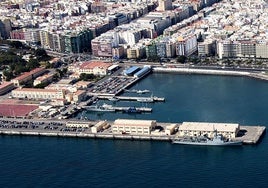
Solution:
(6, 87)
(131, 71)
(33, 93)
(228, 130)
(99, 126)
(133, 126)
(28, 76)
(144, 71)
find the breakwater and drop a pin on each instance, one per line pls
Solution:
(257, 75)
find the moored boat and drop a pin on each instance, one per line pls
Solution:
(132, 110)
(217, 140)
(146, 99)
(114, 99)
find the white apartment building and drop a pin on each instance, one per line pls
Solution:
(187, 45)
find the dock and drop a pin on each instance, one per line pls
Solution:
(251, 134)
(58, 128)
(128, 98)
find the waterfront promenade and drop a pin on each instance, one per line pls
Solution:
(29, 127)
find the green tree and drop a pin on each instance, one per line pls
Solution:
(40, 52)
(8, 75)
(16, 44)
(33, 63)
(181, 59)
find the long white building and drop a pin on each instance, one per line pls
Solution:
(133, 126)
(228, 130)
(31, 93)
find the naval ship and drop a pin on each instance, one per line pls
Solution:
(217, 140)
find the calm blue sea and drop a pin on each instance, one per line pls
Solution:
(70, 162)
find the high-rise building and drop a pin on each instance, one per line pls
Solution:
(186, 45)
(164, 5)
(5, 28)
(77, 42)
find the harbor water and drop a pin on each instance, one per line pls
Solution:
(70, 162)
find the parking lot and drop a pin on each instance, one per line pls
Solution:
(112, 85)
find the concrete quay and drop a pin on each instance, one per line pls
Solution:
(247, 134)
(85, 135)
(251, 134)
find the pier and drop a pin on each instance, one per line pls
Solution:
(251, 134)
(59, 128)
(128, 98)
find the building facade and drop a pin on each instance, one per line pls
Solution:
(136, 127)
(227, 130)
(31, 93)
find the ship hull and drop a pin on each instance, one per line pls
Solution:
(237, 143)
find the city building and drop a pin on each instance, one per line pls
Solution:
(186, 45)
(262, 49)
(82, 84)
(228, 130)
(78, 41)
(32, 36)
(136, 52)
(207, 48)
(94, 67)
(164, 5)
(151, 50)
(103, 45)
(28, 76)
(133, 126)
(43, 79)
(5, 28)
(79, 96)
(31, 93)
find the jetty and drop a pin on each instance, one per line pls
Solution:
(104, 130)
(251, 134)
(128, 98)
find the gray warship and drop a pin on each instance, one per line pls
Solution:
(217, 140)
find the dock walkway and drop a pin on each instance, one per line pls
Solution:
(128, 98)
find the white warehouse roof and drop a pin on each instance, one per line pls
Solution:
(134, 122)
(202, 126)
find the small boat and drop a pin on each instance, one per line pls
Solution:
(217, 140)
(132, 110)
(96, 108)
(143, 91)
(114, 99)
(146, 99)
